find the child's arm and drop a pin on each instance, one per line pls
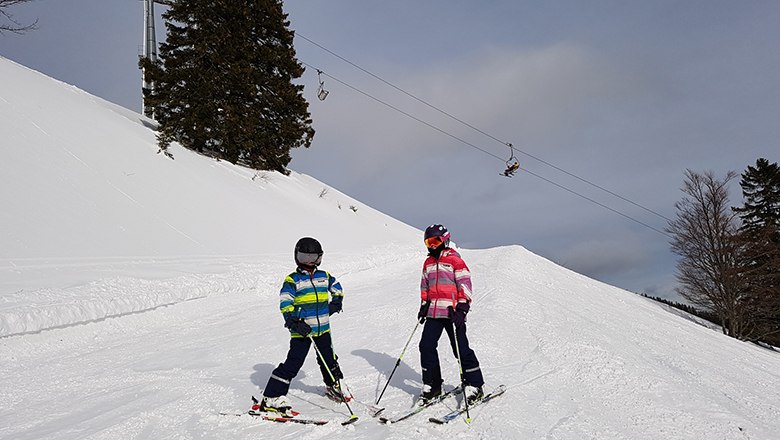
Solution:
(336, 295)
(462, 280)
(287, 298)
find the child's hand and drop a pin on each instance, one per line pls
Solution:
(458, 315)
(298, 326)
(423, 311)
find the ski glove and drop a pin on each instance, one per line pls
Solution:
(334, 307)
(298, 326)
(423, 311)
(458, 315)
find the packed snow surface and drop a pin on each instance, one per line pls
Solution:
(139, 299)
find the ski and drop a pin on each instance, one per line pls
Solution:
(454, 414)
(284, 419)
(291, 416)
(235, 414)
(418, 408)
(274, 417)
(373, 410)
(350, 420)
(259, 413)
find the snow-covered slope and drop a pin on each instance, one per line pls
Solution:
(82, 186)
(139, 298)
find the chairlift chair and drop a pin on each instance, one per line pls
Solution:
(321, 92)
(512, 165)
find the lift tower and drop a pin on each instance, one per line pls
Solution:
(150, 48)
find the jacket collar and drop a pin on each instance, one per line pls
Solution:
(444, 252)
(304, 271)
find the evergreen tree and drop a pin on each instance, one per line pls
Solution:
(760, 236)
(761, 191)
(223, 85)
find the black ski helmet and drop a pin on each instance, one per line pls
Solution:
(308, 252)
(436, 236)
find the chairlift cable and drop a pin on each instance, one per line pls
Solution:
(409, 115)
(525, 170)
(483, 132)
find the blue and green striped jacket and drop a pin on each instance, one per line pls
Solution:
(306, 295)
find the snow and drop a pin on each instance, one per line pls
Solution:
(139, 298)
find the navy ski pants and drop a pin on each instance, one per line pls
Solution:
(429, 356)
(279, 382)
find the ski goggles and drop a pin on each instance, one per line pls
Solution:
(309, 259)
(436, 241)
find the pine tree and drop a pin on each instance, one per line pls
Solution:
(760, 236)
(761, 190)
(223, 85)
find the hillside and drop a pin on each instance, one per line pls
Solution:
(139, 298)
(82, 186)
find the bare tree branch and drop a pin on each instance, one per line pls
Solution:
(10, 24)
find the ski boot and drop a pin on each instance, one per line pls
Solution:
(276, 405)
(474, 394)
(429, 393)
(334, 393)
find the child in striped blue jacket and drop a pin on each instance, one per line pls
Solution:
(307, 299)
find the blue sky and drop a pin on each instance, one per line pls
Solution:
(623, 94)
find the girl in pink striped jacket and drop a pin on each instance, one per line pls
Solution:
(445, 290)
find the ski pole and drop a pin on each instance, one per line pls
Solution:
(460, 366)
(336, 383)
(373, 409)
(346, 391)
(398, 362)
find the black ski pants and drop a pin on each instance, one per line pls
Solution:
(279, 382)
(429, 356)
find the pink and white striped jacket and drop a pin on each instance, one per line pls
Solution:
(445, 282)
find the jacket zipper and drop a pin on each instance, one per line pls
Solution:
(317, 296)
(455, 295)
(437, 289)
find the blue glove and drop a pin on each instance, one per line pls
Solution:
(298, 326)
(334, 307)
(423, 311)
(458, 315)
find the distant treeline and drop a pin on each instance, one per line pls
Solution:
(709, 316)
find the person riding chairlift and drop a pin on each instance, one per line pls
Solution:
(510, 169)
